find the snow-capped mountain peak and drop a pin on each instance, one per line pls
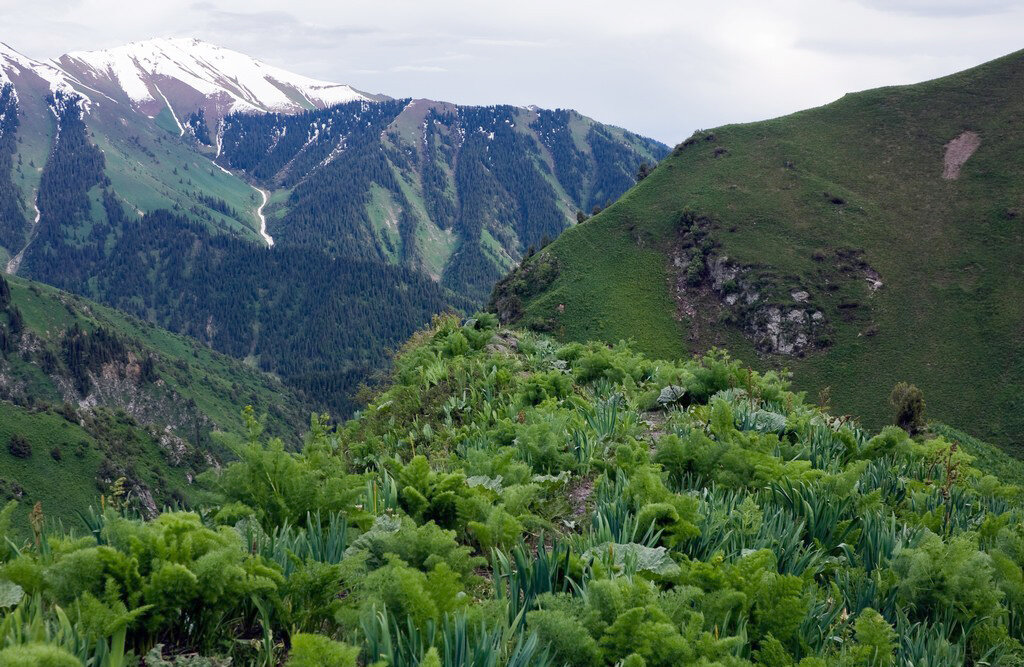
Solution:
(189, 73)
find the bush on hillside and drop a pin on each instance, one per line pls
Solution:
(19, 446)
(907, 402)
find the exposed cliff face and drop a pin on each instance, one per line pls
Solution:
(121, 384)
(776, 321)
(127, 407)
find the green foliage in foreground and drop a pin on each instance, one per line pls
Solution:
(511, 501)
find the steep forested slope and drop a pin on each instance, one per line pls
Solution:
(89, 395)
(459, 192)
(12, 216)
(873, 240)
(322, 324)
(514, 502)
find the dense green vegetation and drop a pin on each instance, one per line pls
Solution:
(839, 213)
(509, 500)
(91, 395)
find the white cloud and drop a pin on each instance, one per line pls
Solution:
(511, 43)
(417, 68)
(660, 67)
(942, 7)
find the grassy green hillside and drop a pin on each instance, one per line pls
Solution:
(806, 215)
(76, 457)
(98, 395)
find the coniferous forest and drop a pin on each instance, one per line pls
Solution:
(322, 308)
(324, 325)
(13, 228)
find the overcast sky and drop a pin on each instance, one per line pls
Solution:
(663, 68)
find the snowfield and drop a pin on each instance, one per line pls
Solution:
(211, 70)
(15, 64)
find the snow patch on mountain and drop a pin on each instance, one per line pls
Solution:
(181, 128)
(120, 66)
(15, 65)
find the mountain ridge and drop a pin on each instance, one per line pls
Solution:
(226, 81)
(13, 62)
(827, 242)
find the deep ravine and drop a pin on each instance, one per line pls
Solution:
(15, 262)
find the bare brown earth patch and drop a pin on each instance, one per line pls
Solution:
(579, 494)
(958, 151)
(655, 423)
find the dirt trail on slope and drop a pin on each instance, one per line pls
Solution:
(958, 151)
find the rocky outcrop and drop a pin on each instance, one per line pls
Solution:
(786, 331)
(175, 448)
(119, 384)
(789, 329)
(702, 276)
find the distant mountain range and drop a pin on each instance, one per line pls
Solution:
(110, 160)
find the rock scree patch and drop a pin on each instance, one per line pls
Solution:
(958, 151)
